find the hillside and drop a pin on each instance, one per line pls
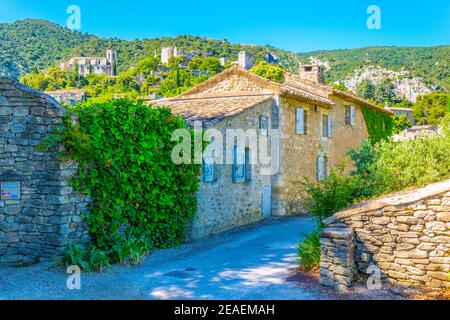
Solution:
(29, 44)
(432, 64)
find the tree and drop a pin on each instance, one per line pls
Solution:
(366, 90)
(36, 81)
(269, 71)
(400, 123)
(431, 108)
(209, 64)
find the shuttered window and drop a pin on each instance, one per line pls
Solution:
(239, 165)
(321, 169)
(264, 125)
(209, 170)
(327, 126)
(301, 121)
(330, 126)
(350, 115)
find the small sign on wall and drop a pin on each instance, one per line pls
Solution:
(10, 190)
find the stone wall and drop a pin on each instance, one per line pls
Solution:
(405, 235)
(48, 213)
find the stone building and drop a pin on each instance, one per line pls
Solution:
(312, 126)
(408, 113)
(245, 60)
(168, 52)
(68, 96)
(95, 65)
(39, 212)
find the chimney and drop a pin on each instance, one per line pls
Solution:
(313, 73)
(245, 60)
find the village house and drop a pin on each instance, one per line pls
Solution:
(68, 97)
(96, 65)
(316, 124)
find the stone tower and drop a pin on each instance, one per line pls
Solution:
(111, 57)
(245, 60)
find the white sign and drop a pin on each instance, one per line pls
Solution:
(10, 190)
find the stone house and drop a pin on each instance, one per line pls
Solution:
(68, 96)
(94, 65)
(316, 126)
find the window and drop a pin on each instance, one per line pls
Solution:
(350, 115)
(264, 125)
(301, 121)
(208, 170)
(327, 126)
(242, 170)
(322, 165)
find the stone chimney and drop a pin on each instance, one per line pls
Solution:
(312, 73)
(245, 60)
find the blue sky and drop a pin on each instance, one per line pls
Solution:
(294, 25)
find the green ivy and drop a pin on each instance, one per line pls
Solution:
(379, 124)
(138, 194)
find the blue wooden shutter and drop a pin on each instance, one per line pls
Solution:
(239, 165)
(300, 119)
(208, 170)
(320, 168)
(352, 115)
(329, 126)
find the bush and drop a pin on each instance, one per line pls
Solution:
(335, 192)
(393, 166)
(140, 198)
(309, 252)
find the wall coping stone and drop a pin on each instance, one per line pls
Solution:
(395, 199)
(24, 88)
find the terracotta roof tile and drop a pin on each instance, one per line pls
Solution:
(209, 109)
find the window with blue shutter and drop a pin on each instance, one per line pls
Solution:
(300, 121)
(352, 115)
(239, 165)
(321, 171)
(329, 126)
(264, 125)
(248, 166)
(208, 170)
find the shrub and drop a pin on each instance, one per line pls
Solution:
(88, 260)
(332, 194)
(309, 252)
(390, 166)
(140, 198)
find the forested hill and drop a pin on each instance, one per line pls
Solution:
(432, 64)
(29, 44)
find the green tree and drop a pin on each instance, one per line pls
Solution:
(431, 108)
(269, 71)
(400, 123)
(366, 90)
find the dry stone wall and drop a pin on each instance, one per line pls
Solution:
(406, 235)
(40, 213)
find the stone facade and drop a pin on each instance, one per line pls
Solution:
(47, 213)
(405, 235)
(224, 204)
